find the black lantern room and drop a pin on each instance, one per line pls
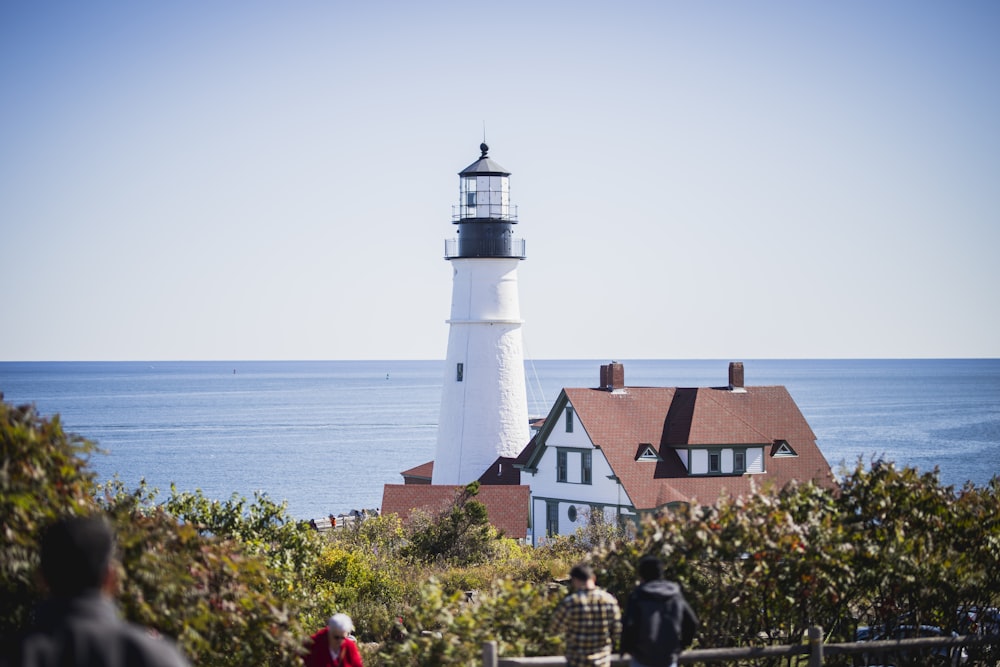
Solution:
(484, 215)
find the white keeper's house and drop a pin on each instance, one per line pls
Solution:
(623, 451)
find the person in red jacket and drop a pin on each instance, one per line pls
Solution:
(333, 646)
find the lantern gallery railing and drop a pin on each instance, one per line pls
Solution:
(505, 212)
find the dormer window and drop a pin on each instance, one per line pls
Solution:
(647, 453)
(721, 460)
(781, 449)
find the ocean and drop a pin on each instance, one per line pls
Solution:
(325, 436)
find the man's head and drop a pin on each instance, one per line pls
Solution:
(76, 555)
(582, 576)
(650, 568)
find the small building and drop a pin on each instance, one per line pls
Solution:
(623, 451)
(420, 474)
(506, 505)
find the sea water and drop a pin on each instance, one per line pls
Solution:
(327, 435)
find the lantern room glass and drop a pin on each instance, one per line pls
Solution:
(485, 196)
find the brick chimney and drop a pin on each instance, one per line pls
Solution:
(736, 376)
(613, 376)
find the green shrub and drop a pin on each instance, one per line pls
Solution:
(43, 475)
(460, 535)
(449, 629)
(238, 582)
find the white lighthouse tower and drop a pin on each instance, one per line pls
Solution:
(484, 406)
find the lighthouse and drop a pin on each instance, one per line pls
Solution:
(484, 406)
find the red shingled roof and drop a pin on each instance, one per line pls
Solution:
(420, 474)
(506, 505)
(670, 419)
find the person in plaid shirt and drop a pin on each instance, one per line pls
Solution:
(589, 619)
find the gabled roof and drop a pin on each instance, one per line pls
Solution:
(673, 420)
(419, 474)
(506, 505)
(501, 472)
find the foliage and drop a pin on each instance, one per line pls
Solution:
(924, 550)
(460, 535)
(43, 475)
(356, 583)
(263, 528)
(207, 591)
(239, 582)
(362, 570)
(889, 546)
(449, 629)
(598, 532)
(761, 569)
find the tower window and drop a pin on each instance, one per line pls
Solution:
(459, 372)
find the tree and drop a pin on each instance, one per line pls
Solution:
(459, 535)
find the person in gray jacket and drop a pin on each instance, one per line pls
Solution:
(658, 623)
(78, 625)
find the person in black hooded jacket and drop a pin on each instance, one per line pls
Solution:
(658, 621)
(78, 625)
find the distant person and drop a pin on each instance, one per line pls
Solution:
(589, 620)
(658, 623)
(78, 625)
(333, 646)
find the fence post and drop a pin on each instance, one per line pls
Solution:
(815, 646)
(490, 654)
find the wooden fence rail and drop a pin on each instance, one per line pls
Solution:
(815, 651)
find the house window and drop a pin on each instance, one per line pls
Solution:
(571, 513)
(459, 372)
(574, 465)
(561, 457)
(552, 517)
(739, 461)
(714, 462)
(569, 420)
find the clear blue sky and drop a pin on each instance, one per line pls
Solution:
(265, 180)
